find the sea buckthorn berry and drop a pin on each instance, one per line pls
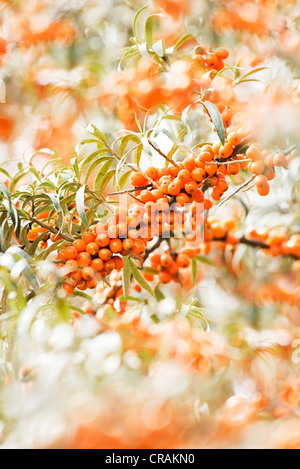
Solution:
(164, 277)
(189, 163)
(119, 263)
(116, 246)
(257, 167)
(87, 273)
(174, 170)
(166, 260)
(183, 261)
(184, 176)
(262, 185)
(102, 240)
(270, 174)
(92, 249)
(234, 139)
(211, 59)
(113, 231)
(82, 285)
(71, 265)
(182, 199)
(200, 50)
(222, 53)
(146, 196)
(198, 196)
(157, 194)
(165, 185)
(133, 234)
(163, 172)
(128, 244)
(211, 169)
(152, 172)
(71, 252)
(91, 284)
(138, 180)
(226, 151)
(227, 115)
(191, 187)
(207, 204)
(109, 265)
(68, 288)
(97, 265)
(80, 245)
(174, 188)
(204, 157)
(84, 259)
(88, 237)
(76, 276)
(280, 160)
(105, 254)
(254, 153)
(198, 174)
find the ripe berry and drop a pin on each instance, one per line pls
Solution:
(105, 254)
(183, 261)
(138, 180)
(88, 237)
(116, 246)
(102, 240)
(84, 259)
(87, 273)
(97, 265)
(189, 163)
(92, 249)
(71, 252)
(80, 245)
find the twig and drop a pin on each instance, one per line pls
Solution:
(237, 190)
(50, 228)
(163, 155)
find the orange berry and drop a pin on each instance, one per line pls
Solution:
(84, 259)
(198, 174)
(88, 237)
(174, 188)
(102, 240)
(234, 139)
(262, 185)
(183, 261)
(184, 176)
(280, 160)
(88, 273)
(182, 199)
(71, 252)
(109, 265)
(254, 153)
(119, 263)
(198, 196)
(189, 164)
(191, 187)
(166, 260)
(80, 245)
(91, 283)
(222, 53)
(105, 254)
(139, 247)
(97, 265)
(152, 173)
(116, 246)
(211, 59)
(68, 288)
(257, 167)
(92, 249)
(76, 276)
(82, 285)
(128, 244)
(113, 231)
(138, 180)
(157, 194)
(226, 151)
(164, 277)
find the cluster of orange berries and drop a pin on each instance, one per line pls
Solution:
(91, 259)
(210, 59)
(279, 242)
(168, 265)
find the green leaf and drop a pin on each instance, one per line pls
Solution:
(205, 260)
(123, 179)
(105, 180)
(139, 278)
(194, 270)
(102, 173)
(149, 26)
(159, 294)
(184, 40)
(126, 276)
(134, 26)
(217, 120)
(80, 205)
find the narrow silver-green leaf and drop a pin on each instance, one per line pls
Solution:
(217, 120)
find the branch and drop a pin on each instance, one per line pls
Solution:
(50, 228)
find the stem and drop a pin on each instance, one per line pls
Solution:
(163, 155)
(51, 229)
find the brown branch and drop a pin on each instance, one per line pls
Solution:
(163, 155)
(50, 228)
